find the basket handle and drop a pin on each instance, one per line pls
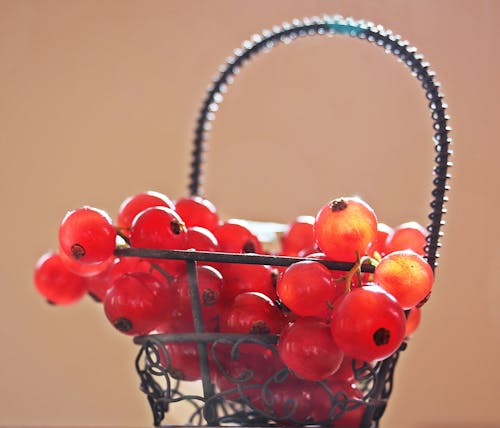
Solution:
(362, 30)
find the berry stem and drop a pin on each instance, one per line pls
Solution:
(356, 270)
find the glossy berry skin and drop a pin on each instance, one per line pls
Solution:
(344, 227)
(201, 239)
(368, 324)
(234, 237)
(135, 204)
(197, 211)
(307, 289)
(298, 237)
(379, 244)
(158, 228)
(413, 321)
(98, 285)
(87, 235)
(241, 278)
(252, 313)
(56, 283)
(345, 373)
(84, 269)
(407, 236)
(405, 275)
(210, 292)
(137, 303)
(308, 350)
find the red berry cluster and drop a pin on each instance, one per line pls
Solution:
(324, 318)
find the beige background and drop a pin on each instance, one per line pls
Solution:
(98, 101)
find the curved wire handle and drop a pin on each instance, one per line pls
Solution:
(362, 30)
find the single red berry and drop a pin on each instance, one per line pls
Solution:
(406, 275)
(84, 269)
(210, 293)
(298, 237)
(308, 350)
(344, 228)
(124, 265)
(158, 228)
(307, 288)
(99, 284)
(368, 324)
(407, 236)
(137, 303)
(56, 283)
(234, 237)
(379, 244)
(135, 204)
(87, 235)
(413, 321)
(240, 278)
(197, 211)
(201, 239)
(252, 313)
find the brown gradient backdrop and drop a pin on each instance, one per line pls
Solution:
(98, 101)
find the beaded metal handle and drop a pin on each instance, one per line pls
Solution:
(362, 30)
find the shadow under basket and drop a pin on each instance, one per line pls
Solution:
(242, 380)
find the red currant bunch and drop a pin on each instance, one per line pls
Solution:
(326, 320)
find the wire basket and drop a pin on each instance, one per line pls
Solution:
(244, 365)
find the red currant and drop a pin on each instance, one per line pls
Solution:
(160, 228)
(56, 283)
(298, 237)
(413, 321)
(405, 275)
(87, 235)
(98, 285)
(368, 324)
(133, 205)
(137, 303)
(307, 349)
(233, 237)
(209, 288)
(197, 211)
(252, 313)
(240, 278)
(84, 269)
(379, 244)
(307, 288)
(201, 239)
(344, 228)
(407, 236)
